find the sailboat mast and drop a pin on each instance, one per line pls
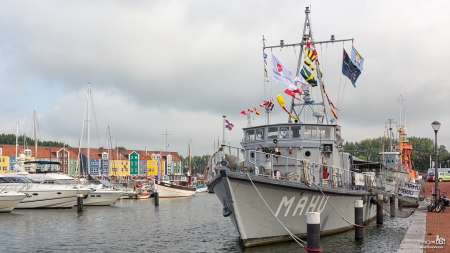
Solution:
(190, 158)
(17, 139)
(109, 148)
(35, 138)
(89, 130)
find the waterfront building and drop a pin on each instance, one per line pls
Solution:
(107, 163)
(4, 162)
(133, 158)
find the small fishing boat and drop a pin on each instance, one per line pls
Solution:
(176, 185)
(201, 188)
(143, 195)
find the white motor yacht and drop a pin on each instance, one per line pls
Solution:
(39, 195)
(9, 200)
(98, 195)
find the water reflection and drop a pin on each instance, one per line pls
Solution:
(192, 224)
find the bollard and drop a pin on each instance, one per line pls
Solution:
(392, 202)
(80, 198)
(313, 232)
(379, 210)
(359, 219)
(156, 197)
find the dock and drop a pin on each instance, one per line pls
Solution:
(428, 231)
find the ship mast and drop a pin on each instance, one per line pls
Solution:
(308, 35)
(190, 158)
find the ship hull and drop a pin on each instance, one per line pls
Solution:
(9, 200)
(167, 190)
(288, 202)
(102, 198)
(50, 199)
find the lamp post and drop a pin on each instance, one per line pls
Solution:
(435, 125)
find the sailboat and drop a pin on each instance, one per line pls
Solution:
(175, 185)
(99, 194)
(38, 195)
(284, 170)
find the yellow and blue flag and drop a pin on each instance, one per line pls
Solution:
(349, 70)
(309, 77)
(357, 60)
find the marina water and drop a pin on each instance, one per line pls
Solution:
(192, 224)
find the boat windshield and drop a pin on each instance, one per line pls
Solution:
(14, 180)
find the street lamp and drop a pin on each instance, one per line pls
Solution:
(435, 125)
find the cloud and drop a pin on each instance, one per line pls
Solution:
(180, 66)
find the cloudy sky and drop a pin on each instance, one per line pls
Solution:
(179, 66)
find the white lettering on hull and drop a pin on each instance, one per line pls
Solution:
(315, 204)
(285, 202)
(301, 204)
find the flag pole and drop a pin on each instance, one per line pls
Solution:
(223, 126)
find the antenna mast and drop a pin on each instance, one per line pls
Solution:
(166, 138)
(308, 35)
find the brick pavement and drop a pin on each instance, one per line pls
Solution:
(438, 224)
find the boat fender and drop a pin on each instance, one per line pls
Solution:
(364, 199)
(373, 200)
(325, 173)
(385, 198)
(277, 175)
(275, 141)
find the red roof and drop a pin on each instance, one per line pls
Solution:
(50, 152)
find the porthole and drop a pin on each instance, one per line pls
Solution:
(35, 194)
(58, 193)
(307, 153)
(252, 154)
(259, 134)
(283, 132)
(92, 196)
(98, 195)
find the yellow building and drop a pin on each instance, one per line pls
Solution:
(119, 168)
(152, 167)
(4, 161)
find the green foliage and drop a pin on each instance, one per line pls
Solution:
(22, 140)
(423, 149)
(198, 163)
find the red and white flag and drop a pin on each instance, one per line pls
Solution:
(279, 73)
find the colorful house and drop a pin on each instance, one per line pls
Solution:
(73, 161)
(4, 162)
(133, 158)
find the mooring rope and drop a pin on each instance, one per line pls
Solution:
(306, 178)
(296, 239)
(349, 222)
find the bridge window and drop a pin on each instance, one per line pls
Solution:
(325, 132)
(260, 134)
(250, 135)
(296, 131)
(272, 132)
(284, 131)
(310, 132)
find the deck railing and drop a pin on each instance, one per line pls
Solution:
(260, 163)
